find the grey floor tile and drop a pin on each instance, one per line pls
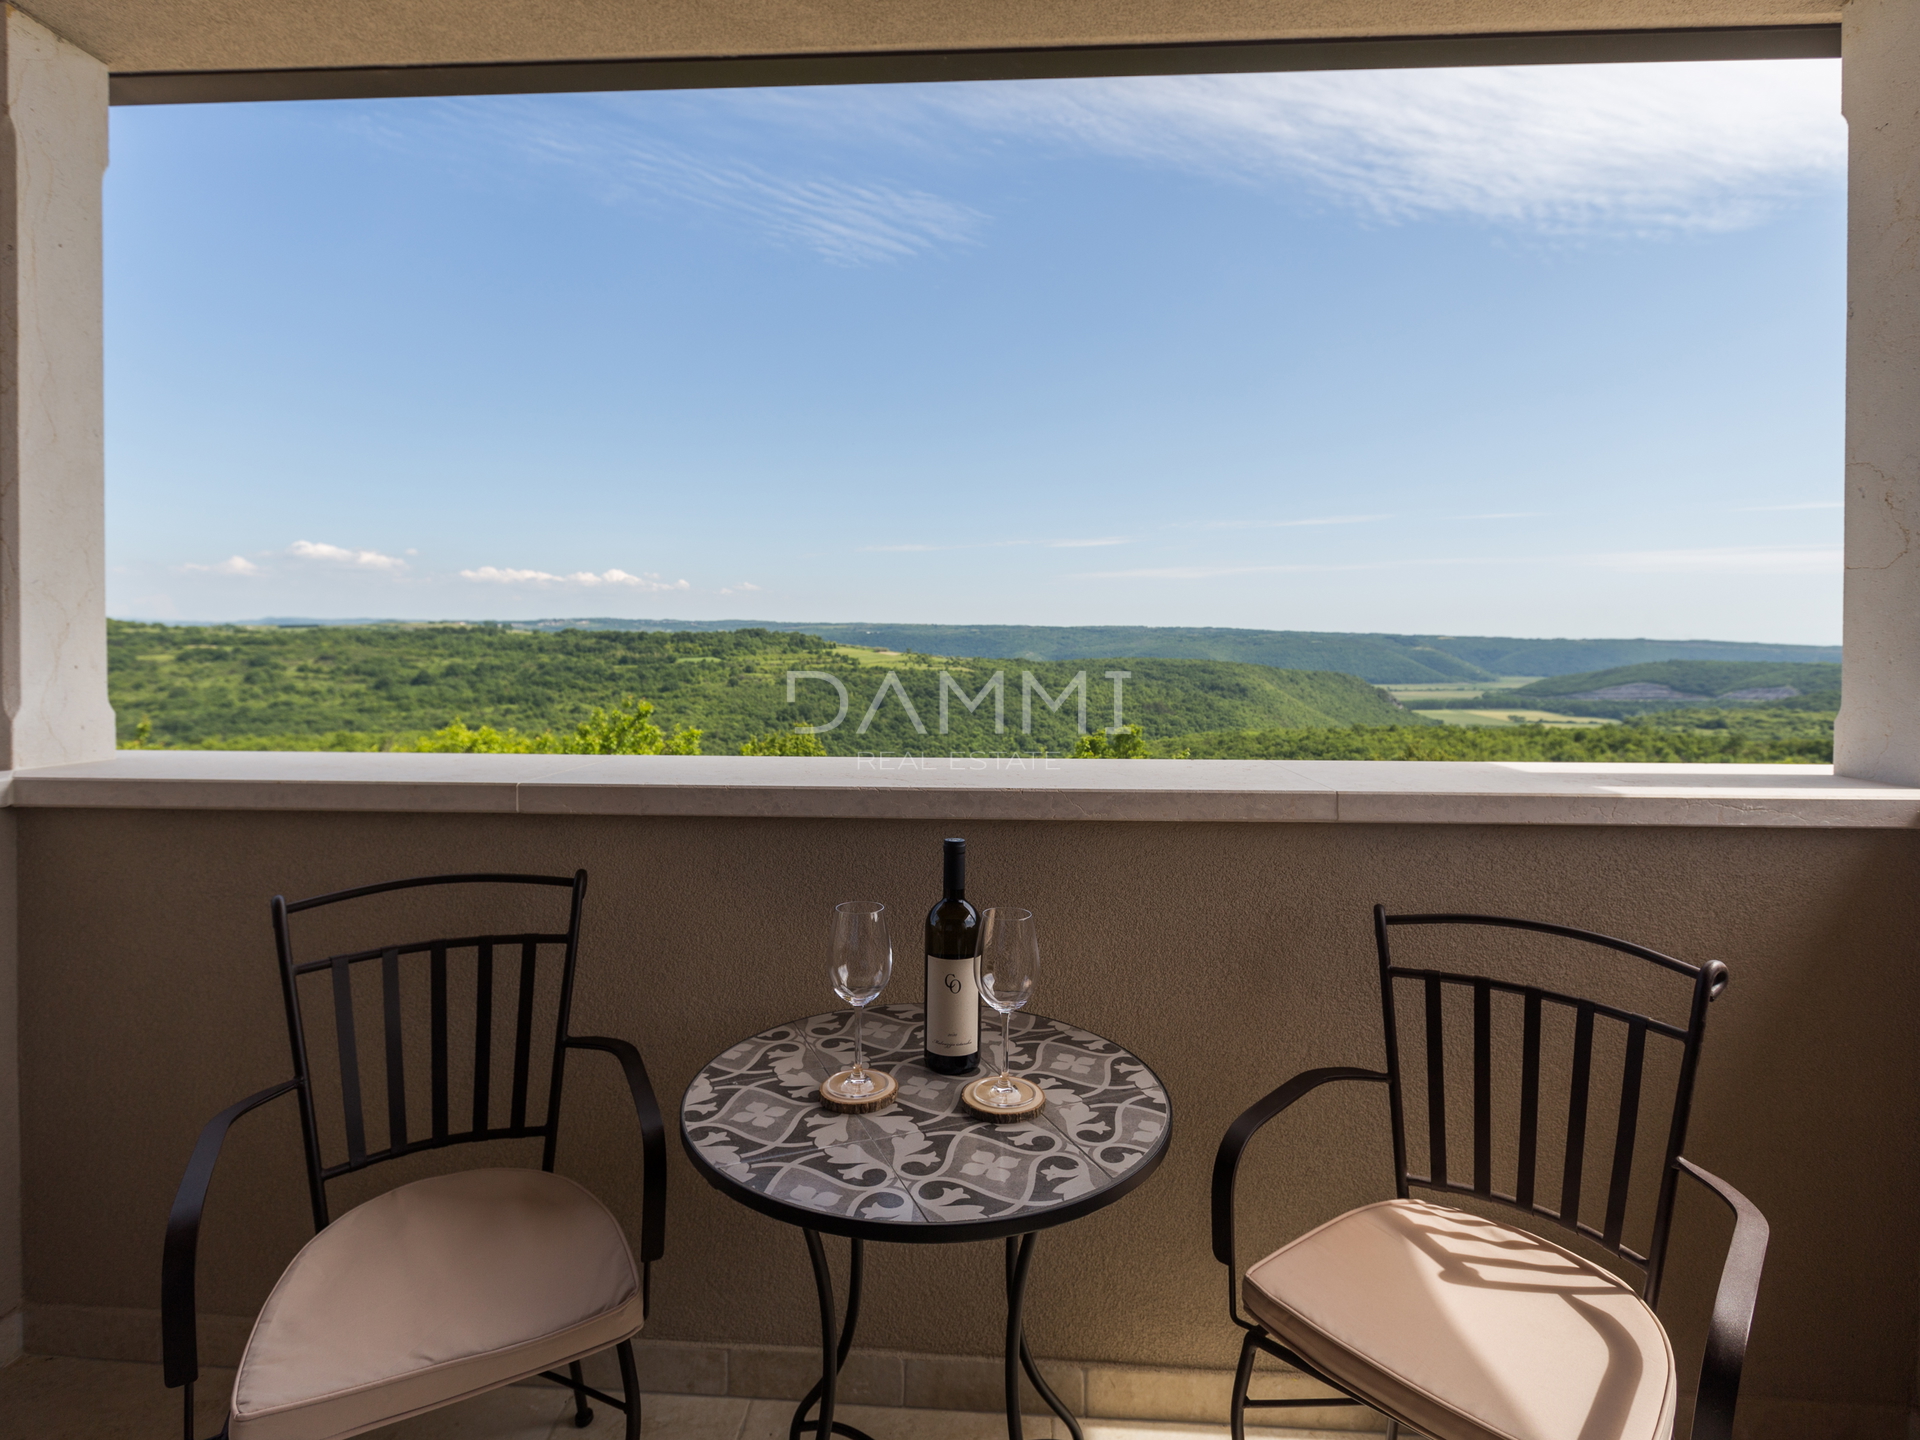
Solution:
(519, 1412)
(768, 1420)
(53, 1398)
(1174, 1430)
(60, 1399)
(667, 1417)
(526, 1412)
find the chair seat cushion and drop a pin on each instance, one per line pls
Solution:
(429, 1293)
(1467, 1329)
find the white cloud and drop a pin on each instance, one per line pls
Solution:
(618, 149)
(745, 587)
(232, 565)
(1086, 544)
(580, 579)
(634, 582)
(339, 555)
(1555, 148)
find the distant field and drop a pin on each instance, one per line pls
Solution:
(1459, 708)
(1508, 717)
(1414, 696)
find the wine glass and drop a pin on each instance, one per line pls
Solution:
(860, 964)
(1009, 952)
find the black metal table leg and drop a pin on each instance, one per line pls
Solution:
(833, 1351)
(1019, 1357)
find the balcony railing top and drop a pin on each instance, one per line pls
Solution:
(979, 787)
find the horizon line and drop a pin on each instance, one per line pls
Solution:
(668, 624)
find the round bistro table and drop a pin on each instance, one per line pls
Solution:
(925, 1170)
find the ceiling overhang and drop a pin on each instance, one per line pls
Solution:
(1559, 47)
(190, 51)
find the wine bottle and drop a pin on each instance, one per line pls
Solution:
(953, 982)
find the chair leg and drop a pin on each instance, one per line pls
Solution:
(582, 1412)
(630, 1387)
(188, 1430)
(1242, 1379)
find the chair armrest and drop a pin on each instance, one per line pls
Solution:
(1226, 1164)
(653, 1143)
(1732, 1309)
(179, 1337)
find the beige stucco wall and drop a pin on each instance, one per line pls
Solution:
(11, 1290)
(160, 35)
(1229, 955)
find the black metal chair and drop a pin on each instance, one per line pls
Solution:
(449, 1286)
(1439, 1318)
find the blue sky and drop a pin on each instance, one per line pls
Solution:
(1531, 352)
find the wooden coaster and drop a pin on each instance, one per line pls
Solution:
(1032, 1102)
(887, 1092)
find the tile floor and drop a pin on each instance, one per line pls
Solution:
(50, 1398)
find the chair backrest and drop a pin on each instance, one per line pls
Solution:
(515, 986)
(1580, 1030)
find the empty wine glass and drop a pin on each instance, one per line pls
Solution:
(1009, 952)
(860, 964)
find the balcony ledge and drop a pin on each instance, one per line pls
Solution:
(961, 788)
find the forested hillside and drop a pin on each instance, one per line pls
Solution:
(1697, 738)
(371, 687)
(1694, 680)
(1383, 659)
(1668, 687)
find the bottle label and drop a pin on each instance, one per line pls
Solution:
(953, 1006)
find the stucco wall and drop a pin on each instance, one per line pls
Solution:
(193, 35)
(10, 1253)
(1230, 956)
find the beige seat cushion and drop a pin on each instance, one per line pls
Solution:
(1467, 1329)
(430, 1293)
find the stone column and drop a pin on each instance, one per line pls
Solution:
(1878, 736)
(53, 645)
(53, 642)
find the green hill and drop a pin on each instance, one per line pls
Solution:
(1378, 659)
(1568, 657)
(1693, 680)
(1382, 659)
(360, 687)
(1717, 741)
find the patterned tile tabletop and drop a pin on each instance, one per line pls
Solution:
(754, 1115)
